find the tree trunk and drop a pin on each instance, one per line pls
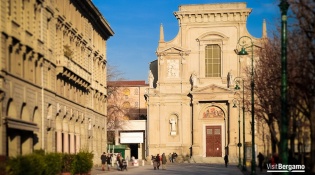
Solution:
(292, 137)
(274, 140)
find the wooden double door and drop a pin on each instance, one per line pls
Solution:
(213, 141)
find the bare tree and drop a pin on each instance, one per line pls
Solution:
(114, 108)
(302, 50)
(267, 81)
(301, 80)
(119, 108)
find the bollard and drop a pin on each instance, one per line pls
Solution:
(142, 162)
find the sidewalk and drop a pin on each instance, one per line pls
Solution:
(142, 169)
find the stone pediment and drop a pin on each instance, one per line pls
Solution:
(212, 36)
(173, 50)
(212, 88)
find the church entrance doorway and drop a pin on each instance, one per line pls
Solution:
(213, 141)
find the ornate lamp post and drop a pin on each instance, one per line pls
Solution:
(237, 87)
(239, 145)
(245, 42)
(284, 5)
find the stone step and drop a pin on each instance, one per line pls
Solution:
(212, 160)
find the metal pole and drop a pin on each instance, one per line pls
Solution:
(244, 149)
(239, 136)
(284, 5)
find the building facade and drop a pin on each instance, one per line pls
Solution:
(127, 106)
(191, 94)
(53, 77)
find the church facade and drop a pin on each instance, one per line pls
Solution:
(191, 95)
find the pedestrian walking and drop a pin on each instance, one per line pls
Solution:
(174, 155)
(261, 159)
(153, 158)
(226, 160)
(158, 160)
(164, 160)
(109, 161)
(103, 159)
(118, 161)
(170, 157)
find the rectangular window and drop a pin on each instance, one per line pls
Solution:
(209, 131)
(213, 61)
(217, 131)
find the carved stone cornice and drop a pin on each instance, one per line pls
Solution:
(234, 12)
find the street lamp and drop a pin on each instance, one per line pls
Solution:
(239, 145)
(284, 5)
(237, 87)
(244, 44)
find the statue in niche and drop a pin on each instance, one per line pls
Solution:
(229, 79)
(151, 79)
(193, 78)
(173, 126)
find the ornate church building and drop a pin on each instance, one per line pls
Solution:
(191, 95)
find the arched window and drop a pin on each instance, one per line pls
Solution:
(126, 92)
(126, 105)
(213, 61)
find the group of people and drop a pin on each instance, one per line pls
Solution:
(172, 157)
(107, 160)
(157, 160)
(121, 163)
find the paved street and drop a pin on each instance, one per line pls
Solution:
(176, 169)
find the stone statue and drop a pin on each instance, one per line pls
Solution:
(194, 79)
(173, 125)
(229, 79)
(151, 79)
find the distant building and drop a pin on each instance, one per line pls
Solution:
(132, 97)
(53, 77)
(127, 110)
(190, 103)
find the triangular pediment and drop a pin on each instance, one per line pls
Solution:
(212, 36)
(212, 88)
(173, 50)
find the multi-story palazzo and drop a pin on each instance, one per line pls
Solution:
(190, 99)
(53, 77)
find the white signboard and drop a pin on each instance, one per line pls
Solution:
(131, 137)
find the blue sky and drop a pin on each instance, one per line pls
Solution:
(136, 24)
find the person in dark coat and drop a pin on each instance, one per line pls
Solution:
(174, 155)
(103, 158)
(226, 160)
(109, 161)
(158, 160)
(261, 159)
